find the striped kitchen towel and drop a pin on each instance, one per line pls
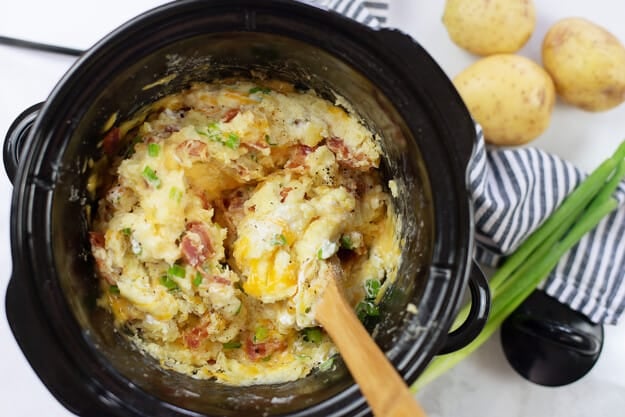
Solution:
(514, 191)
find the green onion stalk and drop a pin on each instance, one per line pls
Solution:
(535, 258)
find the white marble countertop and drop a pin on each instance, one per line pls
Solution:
(483, 385)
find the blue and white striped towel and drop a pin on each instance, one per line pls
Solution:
(514, 191)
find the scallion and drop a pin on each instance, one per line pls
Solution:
(372, 288)
(232, 345)
(278, 240)
(175, 194)
(150, 176)
(534, 260)
(313, 335)
(197, 280)
(367, 308)
(168, 283)
(326, 365)
(257, 89)
(346, 242)
(260, 334)
(232, 141)
(176, 271)
(154, 149)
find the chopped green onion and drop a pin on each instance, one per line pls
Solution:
(154, 149)
(367, 308)
(197, 280)
(260, 334)
(257, 89)
(175, 194)
(326, 365)
(313, 334)
(232, 141)
(320, 254)
(114, 289)
(238, 308)
(269, 141)
(534, 260)
(372, 288)
(127, 231)
(168, 283)
(266, 358)
(213, 132)
(232, 345)
(177, 271)
(150, 176)
(278, 240)
(346, 242)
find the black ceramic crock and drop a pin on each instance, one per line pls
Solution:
(391, 82)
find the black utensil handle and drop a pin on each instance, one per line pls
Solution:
(480, 307)
(561, 334)
(16, 139)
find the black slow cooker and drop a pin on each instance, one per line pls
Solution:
(392, 84)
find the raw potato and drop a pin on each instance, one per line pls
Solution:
(587, 64)
(509, 95)
(487, 27)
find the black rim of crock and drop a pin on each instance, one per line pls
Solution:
(452, 246)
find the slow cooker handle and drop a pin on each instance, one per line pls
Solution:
(15, 139)
(480, 307)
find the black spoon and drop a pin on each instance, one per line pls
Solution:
(548, 343)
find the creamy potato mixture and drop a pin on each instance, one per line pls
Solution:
(221, 205)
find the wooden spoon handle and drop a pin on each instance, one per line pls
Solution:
(385, 391)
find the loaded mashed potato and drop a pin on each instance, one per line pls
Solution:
(220, 206)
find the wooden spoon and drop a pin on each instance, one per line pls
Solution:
(385, 391)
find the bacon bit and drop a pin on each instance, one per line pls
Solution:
(298, 156)
(214, 278)
(206, 204)
(230, 114)
(195, 336)
(345, 157)
(220, 280)
(258, 146)
(356, 185)
(110, 143)
(171, 129)
(258, 351)
(284, 193)
(96, 239)
(195, 148)
(339, 148)
(196, 245)
(252, 208)
(99, 255)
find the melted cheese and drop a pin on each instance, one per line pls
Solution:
(225, 205)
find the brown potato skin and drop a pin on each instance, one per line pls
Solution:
(587, 64)
(487, 27)
(510, 96)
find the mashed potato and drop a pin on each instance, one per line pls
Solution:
(221, 204)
